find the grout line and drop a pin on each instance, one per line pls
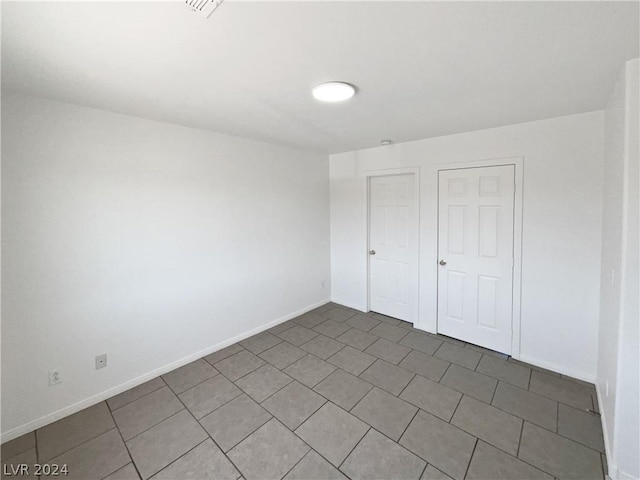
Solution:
(407, 427)
(125, 446)
(174, 461)
(408, 383)
(356, 445)
(520, 438)
(164, 384)
(466, 471)
(454, 413)
(157, 423)
(495, 389)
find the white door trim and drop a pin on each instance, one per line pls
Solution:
(415, 281)
(430, 298)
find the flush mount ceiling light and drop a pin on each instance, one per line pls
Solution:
(203, 7)
(385, 142)
(333, 92)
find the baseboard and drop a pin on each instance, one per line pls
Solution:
(100, 397)
(360, 308)
(611, 464)
(554, 367)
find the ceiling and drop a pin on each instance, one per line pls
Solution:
(422, 69)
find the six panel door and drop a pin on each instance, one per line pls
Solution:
(475, 253)
(392, 245)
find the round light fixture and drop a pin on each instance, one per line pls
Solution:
(333, 92)
(386, 142)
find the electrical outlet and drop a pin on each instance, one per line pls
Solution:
(101, 361)
(54, 377)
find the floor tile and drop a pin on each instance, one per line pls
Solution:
(281, 327)
(578, 381)
(97, 458)
(564, 391)
(423, 342)
(128, 472)
(207, 396)
(389, 332)
(357, 338)
(136, 417)
(205, 462)
(309, 320)
(502, 370)
(343, 389)
(294, 404)
(73, 430)
(332, 432)
(352, 360)
(339, 314)
(135, 393)
(580, 426)
(464, 357)
(432, 397)
(297, 335)
(260, 342)
(561, 457)
(533, 367)
(239, 364)
(444, 446)
(524, 404)
(324, 308)
(263, 382)
(269, 452)
(430, 367)
(331, 328)
(362, 322)
(489, 462)
(223, 353)
(384, 318)
(18, 445)
(190, 375)
(387, 376)
(387, 350)
(486, 351)
(494, 426)
(314, 467)
(472, 383)
(385, 412)
(322, 346)
(282, 355)
(432, 473)
(378, 457)
(17, 463)
(231, 423)
(454, 341)
(160, 445)
(309, 370)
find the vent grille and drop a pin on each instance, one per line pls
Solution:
(203, 7)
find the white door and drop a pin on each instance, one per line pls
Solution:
(475, 253)
(393, 246)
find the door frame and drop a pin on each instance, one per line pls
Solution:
(414, 283)
(518, 164)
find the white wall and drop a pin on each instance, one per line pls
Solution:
(148, 241)
(619, 342)
(561, 228)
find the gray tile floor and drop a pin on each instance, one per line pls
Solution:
(329, 395)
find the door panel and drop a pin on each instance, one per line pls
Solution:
(475, 239)
(393, 237)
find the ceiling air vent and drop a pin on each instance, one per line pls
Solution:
(203, 7)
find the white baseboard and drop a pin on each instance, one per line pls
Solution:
(612, 473)
(360, 308)
(554, 367)
(100, 397)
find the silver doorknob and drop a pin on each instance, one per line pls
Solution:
(442, 262)
(372, 252)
